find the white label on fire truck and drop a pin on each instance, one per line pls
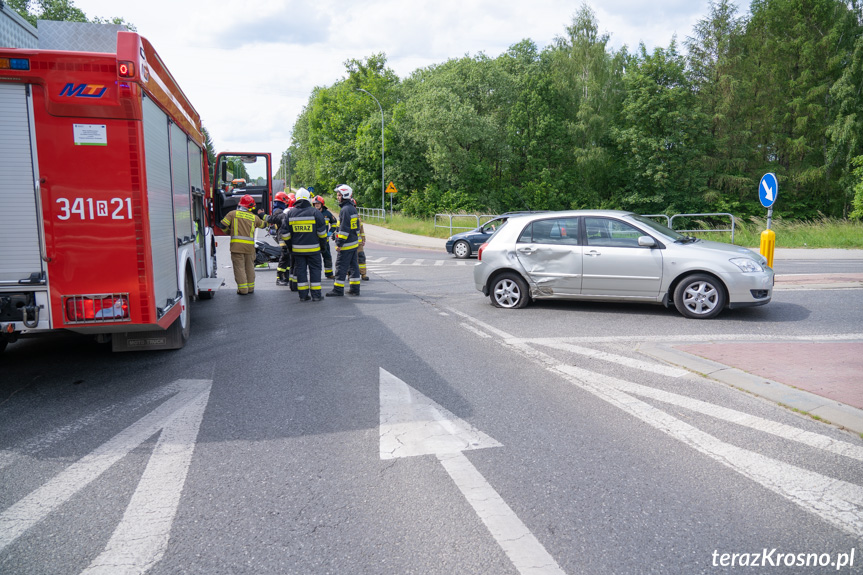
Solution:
(90, 134)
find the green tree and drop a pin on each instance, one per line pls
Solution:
(714, 55)
(661, 135)
(589, 80)
(796, 51)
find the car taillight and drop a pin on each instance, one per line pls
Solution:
(97, 308)
(479, 253)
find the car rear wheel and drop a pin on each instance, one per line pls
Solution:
(461, 250)
(509, 291)
(700, 296)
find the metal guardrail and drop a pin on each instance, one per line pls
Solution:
(670, 222)
(378, 213)
(478, 219)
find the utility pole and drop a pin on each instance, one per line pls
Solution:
(383, 183)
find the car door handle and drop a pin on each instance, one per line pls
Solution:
(593, 253)
(526, 251)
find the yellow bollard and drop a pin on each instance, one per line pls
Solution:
(768, 242)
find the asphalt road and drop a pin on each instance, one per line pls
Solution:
(417, 429)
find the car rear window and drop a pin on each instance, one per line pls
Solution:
(558, 231)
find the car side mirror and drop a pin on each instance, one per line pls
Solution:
(646, 242)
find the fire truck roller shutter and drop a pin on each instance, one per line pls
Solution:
(161, 206)
(199, 228)
(19, 234)
(182, 191)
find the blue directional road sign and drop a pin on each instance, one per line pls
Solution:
(312, 191)
(768, 189)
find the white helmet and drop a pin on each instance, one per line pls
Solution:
(345, 190)
(303, 194)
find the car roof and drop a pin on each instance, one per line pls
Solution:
(573, 214)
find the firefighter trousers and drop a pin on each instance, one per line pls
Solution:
(328, 259)
(307, 268)
(347, 263)
(284, 266)
(244, 272)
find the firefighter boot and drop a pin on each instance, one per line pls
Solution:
(281, 280)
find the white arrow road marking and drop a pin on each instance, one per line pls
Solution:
(45, 440)
(412, 424)
(837, 502)
(140, 540)
(767, 189)
(158, 492)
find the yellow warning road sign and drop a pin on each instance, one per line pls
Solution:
(391, 189)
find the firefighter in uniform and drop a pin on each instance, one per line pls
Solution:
(242, 224)
(347, 242)
(306, 229)
(280, 205)
(332, 222)
(361, 253)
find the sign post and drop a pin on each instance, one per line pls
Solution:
(768, 189)
(391, 189)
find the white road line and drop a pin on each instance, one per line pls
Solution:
(412, 424)
(695, 338)
(374, 260)
(618, 359)
(837, 502)
(439, 262)
(398, 262)
(418, 263)
(45, 440)
(140, 540)
(33, 508)
(476, 331)
(520, 545)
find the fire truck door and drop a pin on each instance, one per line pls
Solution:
(20, 254)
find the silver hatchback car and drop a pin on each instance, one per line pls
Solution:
(607, 255)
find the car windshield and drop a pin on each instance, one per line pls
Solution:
(498, 225)
(491, 225)
(659, 228)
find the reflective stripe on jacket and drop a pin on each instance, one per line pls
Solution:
(349, 224)
(305, 228)
(242, 224)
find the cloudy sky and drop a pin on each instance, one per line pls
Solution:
(248, 67)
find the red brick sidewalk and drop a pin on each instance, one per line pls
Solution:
(831, 370)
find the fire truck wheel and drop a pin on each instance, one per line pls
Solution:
(182, 326)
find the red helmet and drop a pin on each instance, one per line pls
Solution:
(354, 201)
(247, 201)
(292, 197)
(282, 197)
(320, 200)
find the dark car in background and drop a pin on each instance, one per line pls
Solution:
(467, 244)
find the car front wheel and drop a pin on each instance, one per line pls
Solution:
(461, 250)
(700, 296)
(509, 291)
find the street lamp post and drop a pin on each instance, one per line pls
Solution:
(383, 183)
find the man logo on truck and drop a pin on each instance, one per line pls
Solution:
(84, 90)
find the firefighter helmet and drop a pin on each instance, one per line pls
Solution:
(345, 190)
(320, 200)
(282, 197)
(247, 201)
(292, 197)
(303, 194)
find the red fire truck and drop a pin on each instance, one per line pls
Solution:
(104, 186)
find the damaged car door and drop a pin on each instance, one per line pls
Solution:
(550, 252)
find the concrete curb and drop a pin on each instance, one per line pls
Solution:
(839, 414)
